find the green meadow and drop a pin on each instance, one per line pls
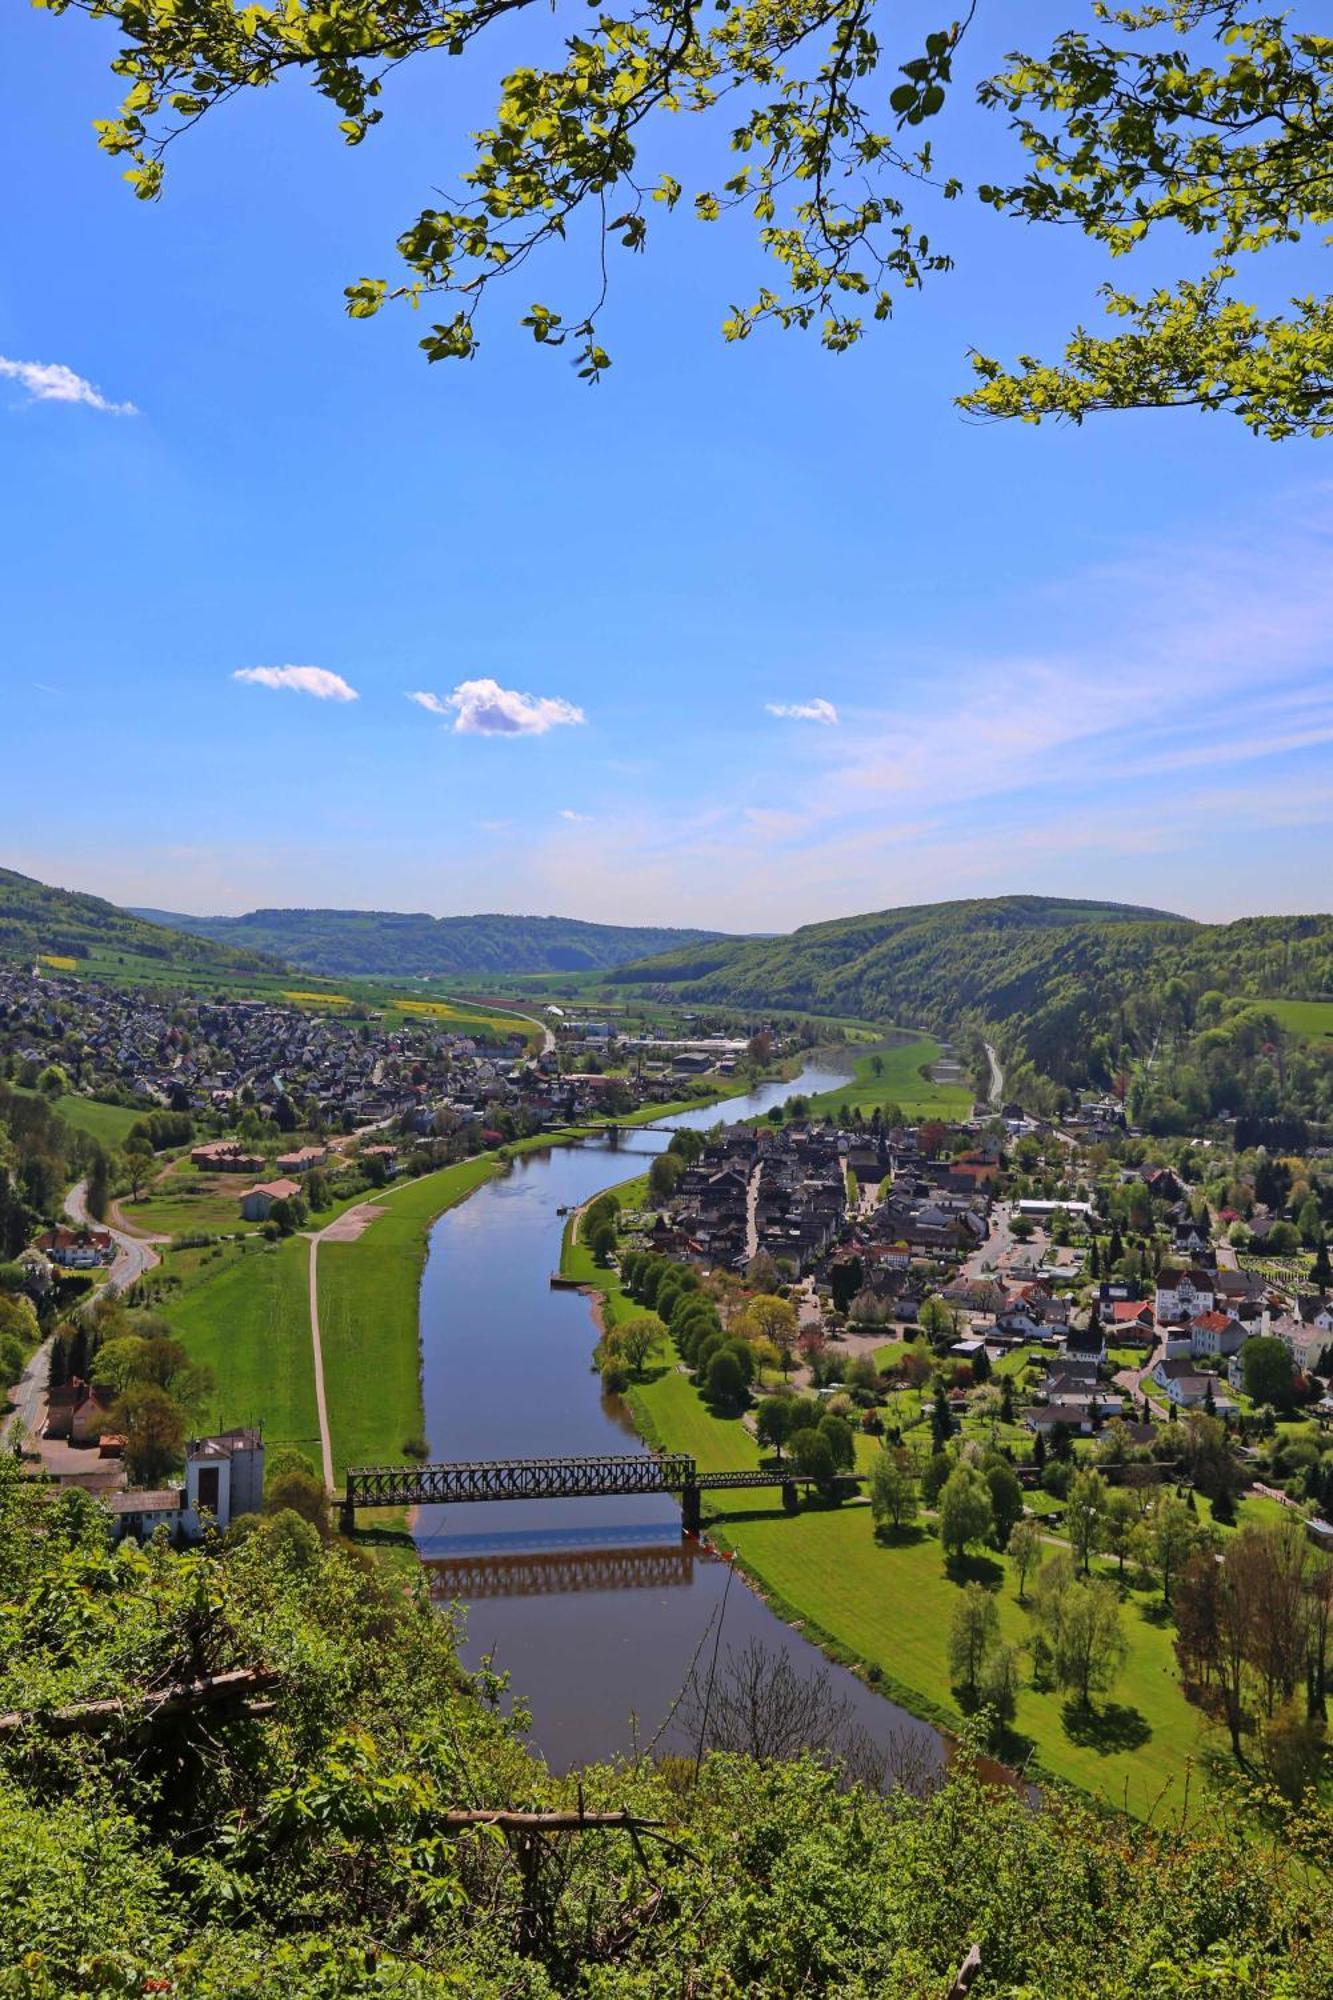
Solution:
(899, 1079)
(244, 1311)
(1311, 1020)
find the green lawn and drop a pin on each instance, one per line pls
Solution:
(247, 1316)
(1312, 1020)
(899, 1080)
(109, 1123)
(368, 1292)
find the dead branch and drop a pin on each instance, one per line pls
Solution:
(178, 1699)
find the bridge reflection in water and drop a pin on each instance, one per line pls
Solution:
(551, 1572)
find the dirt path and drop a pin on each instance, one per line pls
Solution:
(344, 1228)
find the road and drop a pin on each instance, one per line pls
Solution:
(26, 1415)
(134, 1254)
(996, 1076)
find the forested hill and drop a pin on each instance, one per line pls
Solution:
(40, 922)
(389, 942)
(931, 962)
(1081, 990)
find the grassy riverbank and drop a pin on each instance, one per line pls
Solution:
(245, 1313)
(886, 1605)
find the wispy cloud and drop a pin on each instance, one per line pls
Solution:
(484, 708)
(575, 818)
(817, 710)
(316, 681)
(52, 382)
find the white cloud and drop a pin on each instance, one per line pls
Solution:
(575, 818)
(52, 382)
(484, 708)
(318, 681)
(817, 710)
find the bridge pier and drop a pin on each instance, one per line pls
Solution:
(691, 1516)
(791, 1499)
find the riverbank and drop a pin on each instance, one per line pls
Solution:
(884, 1607)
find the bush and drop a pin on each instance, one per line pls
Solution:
(726, 1382)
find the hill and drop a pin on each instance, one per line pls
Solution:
(1081, 991)
(37, 921)
(386, 943)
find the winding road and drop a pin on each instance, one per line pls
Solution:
(996, 1075)
(134, 1254)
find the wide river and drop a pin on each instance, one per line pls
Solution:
(596, 1608)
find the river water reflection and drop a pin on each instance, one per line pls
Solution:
(596, 1608)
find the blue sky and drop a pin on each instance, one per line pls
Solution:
(1088, 662)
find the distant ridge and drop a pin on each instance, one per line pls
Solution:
(38, 921)
(390, 943)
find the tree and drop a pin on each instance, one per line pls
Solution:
(1172, 1536)
(965, 1511)
(810, 1453)
(1080, 1620)
(837, 1435)
(893, 1488)
(1006, 1498)
(152, 1424)
(638, 1337)
(1119, 1523)
(98, 1195)
(1025, 1547)
(1268, 1371)
(301, 1493)
(1085, 1505)
(777, 1320)
(137, 1154)
(602, 1242)
(1321, 1273)
(973, 1635)
(664, 1175)
(941, 1422)
(773, 1421)
(726, 1382)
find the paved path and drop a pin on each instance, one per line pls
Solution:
(996, 1077)
(321, 1404)
(26, 1415)
(134, 1254)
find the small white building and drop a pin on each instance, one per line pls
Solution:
(257, 1202)
(224, 1477)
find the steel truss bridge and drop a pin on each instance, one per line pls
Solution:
(466, 1482)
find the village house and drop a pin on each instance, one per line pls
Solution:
(1183, 1295)
(257, 1202)
(1189, 1389)
(77, 1249)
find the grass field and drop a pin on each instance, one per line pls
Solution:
(368, 1291)
(899, 1080)
(249, 1319)
(187, 1200)
(1311, 1020)
(109, 1123)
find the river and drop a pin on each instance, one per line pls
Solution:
(595, 1608)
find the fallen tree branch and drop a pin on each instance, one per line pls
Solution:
(559, 1821)
(180, 1698)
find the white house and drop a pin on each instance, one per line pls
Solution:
(1183, 1295)
(224, 1477)
(1215, 1336)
